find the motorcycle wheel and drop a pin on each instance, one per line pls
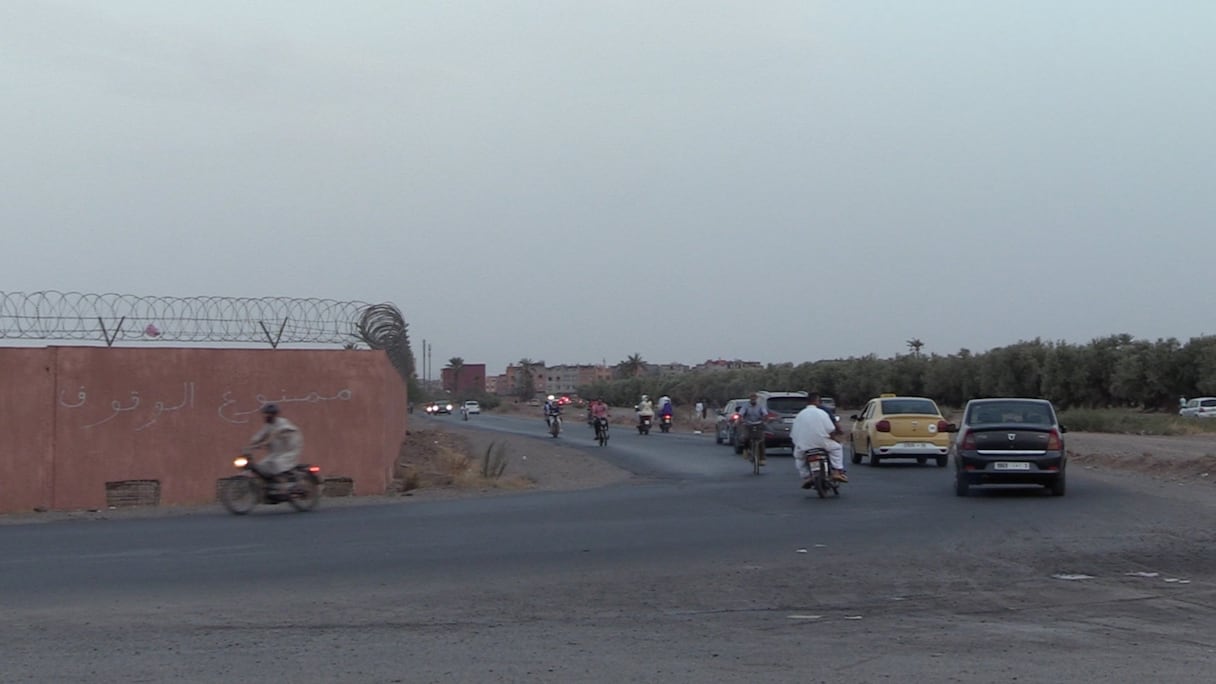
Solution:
(821, 482)
(305, 493)
(239, 495)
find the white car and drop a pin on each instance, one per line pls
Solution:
(1200, 407)
(472, 407)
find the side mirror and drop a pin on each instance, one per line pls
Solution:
(1062, 428)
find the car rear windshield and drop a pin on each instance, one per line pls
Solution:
(1031, 412)
(785, 404)
(895, 406)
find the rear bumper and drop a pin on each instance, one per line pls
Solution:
(911, 450)
(1011, 469)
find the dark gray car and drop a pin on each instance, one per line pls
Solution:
(1009, 441)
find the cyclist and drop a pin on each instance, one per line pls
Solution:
(753, 416)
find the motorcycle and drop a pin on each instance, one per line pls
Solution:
(644, 424)
(665, 423)
(601, 430)
(821, 473)
(239, 494)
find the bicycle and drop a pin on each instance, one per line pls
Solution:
(755, 447)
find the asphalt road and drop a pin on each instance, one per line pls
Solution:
(701, 572)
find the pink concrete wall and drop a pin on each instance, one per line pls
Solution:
(181, 415)
(27, 394)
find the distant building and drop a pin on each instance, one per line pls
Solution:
(512, 381)
(471, 379)
(567, 378)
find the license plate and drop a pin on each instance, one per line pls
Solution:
(1002, 465)
(915, 445)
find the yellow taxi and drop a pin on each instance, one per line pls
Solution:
(892, 426)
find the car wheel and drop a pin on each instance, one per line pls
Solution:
(855, 457)
(738, 447)
(1057, 486)
(718, 437)
(875, 459)
(942, 460)
(961, 485)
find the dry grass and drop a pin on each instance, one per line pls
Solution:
(435, 458)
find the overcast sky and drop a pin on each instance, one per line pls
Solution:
(579, 181)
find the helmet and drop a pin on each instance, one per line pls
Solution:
(645, 397)
(271, 409)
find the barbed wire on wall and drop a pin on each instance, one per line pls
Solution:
(52, 315)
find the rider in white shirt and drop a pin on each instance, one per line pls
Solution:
(814, 429)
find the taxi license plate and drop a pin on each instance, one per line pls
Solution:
(1002, 465)
(915, 445)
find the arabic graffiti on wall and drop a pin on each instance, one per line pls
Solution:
(227, 408)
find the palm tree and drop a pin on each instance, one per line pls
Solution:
(631, 367)
(915, 344)
(456, 363)
(526, 385)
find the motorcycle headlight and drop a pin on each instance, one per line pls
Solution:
(241, 462)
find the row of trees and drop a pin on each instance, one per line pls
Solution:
(1113, 371)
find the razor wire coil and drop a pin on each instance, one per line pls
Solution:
(54, 315)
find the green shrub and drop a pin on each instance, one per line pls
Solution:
(1133, 422)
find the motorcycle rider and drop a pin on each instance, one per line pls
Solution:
(599, 411)
(753, 416)
(552, 409)
(814, 428)
(665, 407)
(283, 441)
(645, 409)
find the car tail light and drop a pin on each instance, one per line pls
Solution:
(942, 426)
(1053, 440)
(314, 469)
(968, 441)
(883, 426)
(734, 417)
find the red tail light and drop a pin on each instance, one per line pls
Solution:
(942, 426)
(314, 469)
(968, 441)
(883, 426)
(1053, 440)
(734, 417)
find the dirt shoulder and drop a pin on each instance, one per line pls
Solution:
(453, 460)
(1167, 460)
